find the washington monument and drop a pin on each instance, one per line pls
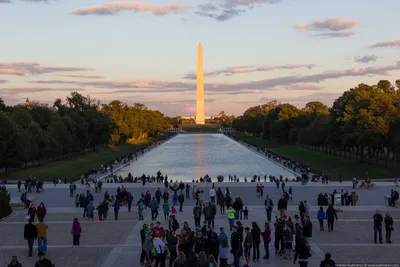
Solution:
(200, 87)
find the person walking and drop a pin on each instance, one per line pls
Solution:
(269, 204)
(212, 193)
(116, 209)
(166, 209)
(388, 227)
(160, 248)
(90, 210)
(30, 234)
(32, 211)
(14, 262)
(267, 239)
(41, 230)
(181, 200)
(236, 245)
(248, 242)
(327, 262)
(43, 261)
(223, 252)
(76, 232)
(304, 253)
(130, 200)
(197, 215)
(231, 217)
(256, 240)
(330, 217)
(377, 226)
(282, 206)
(321, 218)
(207, 213)
(154, 208)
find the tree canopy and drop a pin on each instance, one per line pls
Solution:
(363, 123)
(34, 132)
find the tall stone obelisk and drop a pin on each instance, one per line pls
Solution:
(200, 87)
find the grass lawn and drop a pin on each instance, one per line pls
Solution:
(322, 162)
(200, 127)
(76, 166)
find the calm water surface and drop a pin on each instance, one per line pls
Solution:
(190, 156)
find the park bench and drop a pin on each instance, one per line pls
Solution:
(15, 202)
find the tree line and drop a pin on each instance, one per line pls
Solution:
(363, 123)
(35, 131)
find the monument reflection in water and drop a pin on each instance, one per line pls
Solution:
(190, 156)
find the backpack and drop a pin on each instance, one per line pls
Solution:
(175, 225)
(153, 252)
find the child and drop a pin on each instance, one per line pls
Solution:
(246, 213)
(173, 210)
(166, 210)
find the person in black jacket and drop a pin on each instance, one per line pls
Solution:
(235, 246)
(307, 230)
(330, 217)
(43, 261)
(282, 206)
(377, 226)
(30, 235)
(328, 262)
(256, 237)
(388, 227)
(14, 262)
(181, 200)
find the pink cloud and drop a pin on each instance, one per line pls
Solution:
(34, 68)
(81, 76)
(336, 27)
(395, 44)
(248, 69)
(116, 7)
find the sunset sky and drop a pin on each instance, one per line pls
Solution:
(254, 50)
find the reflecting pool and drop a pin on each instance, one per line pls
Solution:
(190, 156)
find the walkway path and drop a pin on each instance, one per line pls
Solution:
(113, 244)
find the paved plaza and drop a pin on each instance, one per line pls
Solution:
(117, 243)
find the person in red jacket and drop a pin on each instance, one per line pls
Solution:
(41, 211)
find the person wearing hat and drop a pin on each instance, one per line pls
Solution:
(43, 261)
(248, 242)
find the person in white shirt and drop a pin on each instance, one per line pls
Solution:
(212, 193)
(161, 250)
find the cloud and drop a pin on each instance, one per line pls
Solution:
(3, 81)
(366, 59)
(222, 10)
(267, 84)
(328, 35)
(395, 44)
(30, 90)
(247, 69)
(303, 87)
(5, 1)
(336, 27)
(335, 24)
(34, 68)
(116, 7)
(81, 76)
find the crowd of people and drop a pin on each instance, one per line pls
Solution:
(201, 244)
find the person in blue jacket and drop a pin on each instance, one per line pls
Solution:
(321, 218)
